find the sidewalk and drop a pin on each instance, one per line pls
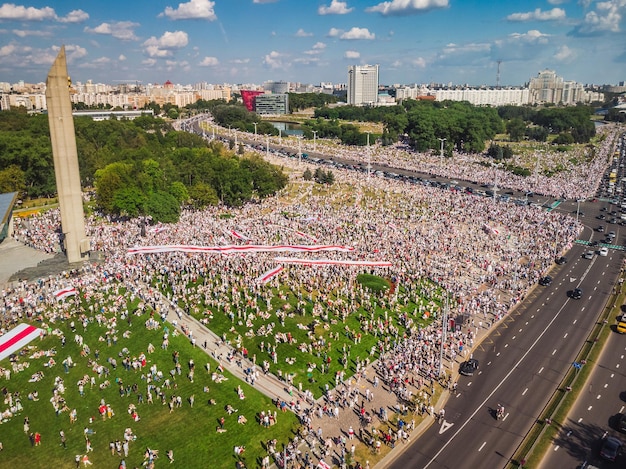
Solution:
(331, 427)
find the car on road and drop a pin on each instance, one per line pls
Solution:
(610, 448)
(588, 255)
(561, 260)
(603, 251)
(469, 367)
(600, 229)
(621, 326)
(545, 281)
(577, 294)
(621, 423)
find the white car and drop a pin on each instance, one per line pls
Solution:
(604, 252)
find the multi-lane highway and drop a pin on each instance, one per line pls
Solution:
(523, 361)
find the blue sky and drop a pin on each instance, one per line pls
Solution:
(313, 41)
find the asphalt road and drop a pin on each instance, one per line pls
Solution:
(522, 362)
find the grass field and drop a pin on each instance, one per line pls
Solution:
(189, 431)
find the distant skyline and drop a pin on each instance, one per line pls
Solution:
(313, 41)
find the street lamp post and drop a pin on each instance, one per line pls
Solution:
(229, 130)
(299, 149)
(369, 156)
(441, 150)
(255, 124)
(280, 136)
(314, 137)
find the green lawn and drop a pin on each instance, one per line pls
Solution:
(189, 432)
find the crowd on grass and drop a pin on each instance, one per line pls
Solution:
(485, 255)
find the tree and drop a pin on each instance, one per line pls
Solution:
(163, 207)
(307, 175)
(516, 128)
(203, 195)
(12, 179)
(129, 201)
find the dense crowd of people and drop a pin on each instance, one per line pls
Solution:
(484, 254)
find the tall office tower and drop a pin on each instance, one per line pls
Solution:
(362, 84)
(65, 158)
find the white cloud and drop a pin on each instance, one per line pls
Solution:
(302, 33)
(351, 54)
(74, 16)
(7, 50)
(121, 58)
(72, 51)
(605, 18)
(274, 60)
(538, 15)
(149, 62)
(357, 33)
(406, 7)
(97, 63)
(264, 1)
(194, 9)
(317, 48)
(557, 2)
(336, 7)
(25, 33)
(334, 32)
(419, 62)
(166, 44)
(532, 37)
(240, 61)
(564, 54)
(209, 62)
(122, 30)
(10, 11)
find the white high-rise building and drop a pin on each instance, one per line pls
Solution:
(362, 85)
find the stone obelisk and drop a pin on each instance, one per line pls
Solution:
(65, 157)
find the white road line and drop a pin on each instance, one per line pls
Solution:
(565, 336)
(599, 396)
(525, 391)
(621, 409)
(554, 352)
(540, 370)
(612, 374)
(606, 385)
(514, 337)
(575, 321)
(556, 448)
(622, 357)
(481, 406)
(504, 418)
(482, 446)
(590, 407)
(617, 366)
(520, 330)
(580, 419)
(498, 354)
(506, 345)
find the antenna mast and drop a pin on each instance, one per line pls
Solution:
(498, 74)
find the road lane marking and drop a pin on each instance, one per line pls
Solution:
(445, 426)
(540, 370)
(481, 406)
(554, 352)
(590, 407)
(575, 321)
(606, 385)
(520, 330)
(599, 396)
(525, 391)
(556, 448)
(565, 336)
(506, 345)
(482, 446)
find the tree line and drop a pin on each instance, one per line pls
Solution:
(137, 167)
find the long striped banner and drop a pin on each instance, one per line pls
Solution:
(270, 274)
(65, 292)
(295, 260)
(17, 338)
(231, 249)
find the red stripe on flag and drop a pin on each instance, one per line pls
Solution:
(16, 338)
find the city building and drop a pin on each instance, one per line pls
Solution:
(362, 85)
(274, 104)
(276, 87)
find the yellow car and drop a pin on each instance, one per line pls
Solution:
(621, 327)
